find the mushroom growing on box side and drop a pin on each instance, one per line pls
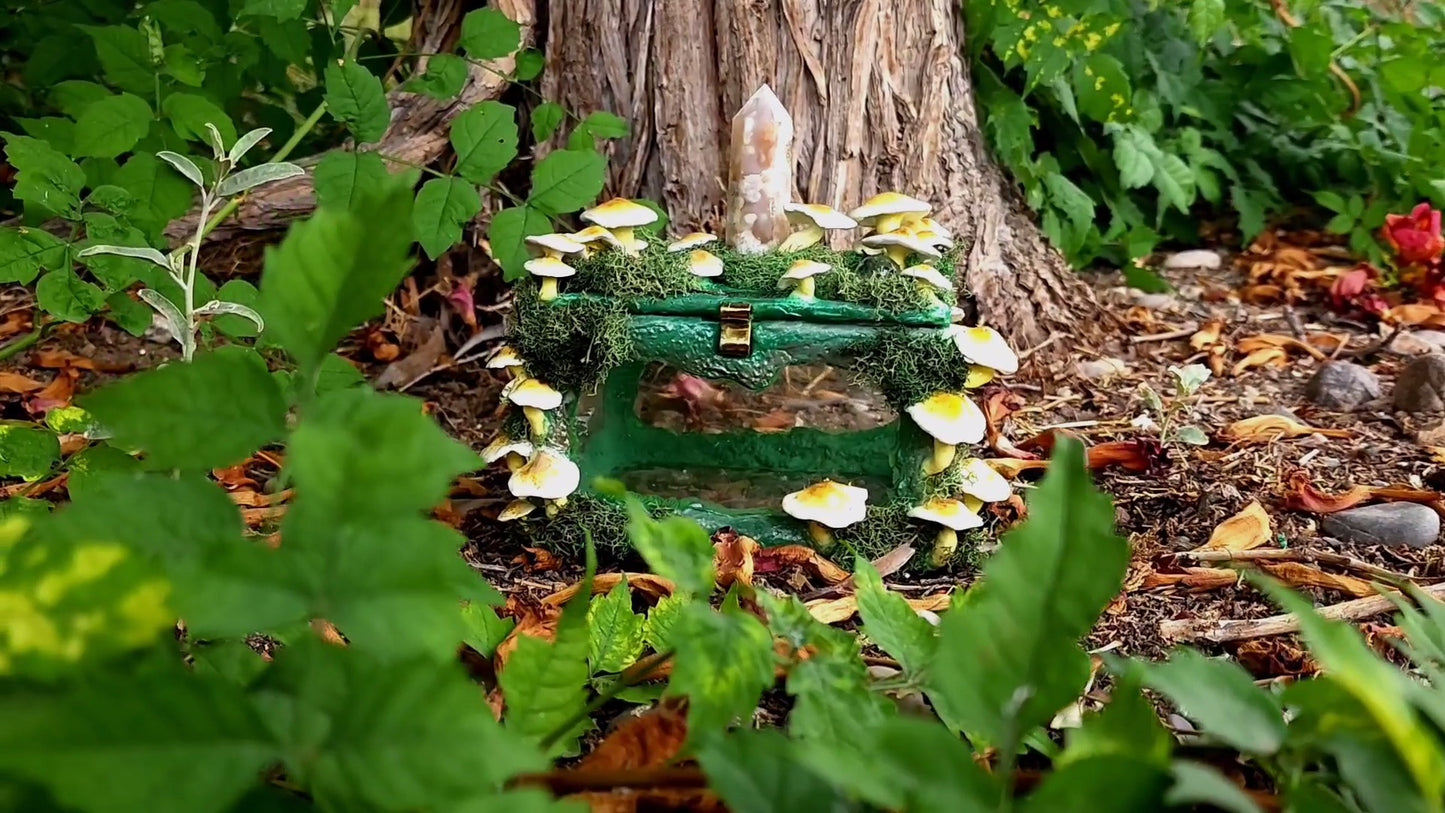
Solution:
(534, 397)
(984, 346)
(827, 506)
(801, 274)
(952, 516)
(697, 238)
(548, 475)
(516, 509)
(506, 358)
(704, 263)
(930, 280)
(813, 219)
(550, 269)
(621, 216)
(555, 245)
(950, 419)
(591, 236)
(981, 481)
(516, 451)
(899, 244)
(885, 211)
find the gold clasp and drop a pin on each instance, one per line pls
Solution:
(735, 336)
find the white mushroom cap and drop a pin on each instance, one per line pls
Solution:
(930, 275)
(933, 238)
(950, 418)
(516, 509)
(697, 238)
(529, 392)
(824, 217)
(549, 267)
(559, 243)
(802, 269)
(926, 223)
(889, 203)
(981, 481)
(548, 475)
(503, 446)
(620, 213)
(835, 505)
(947, 512)
(595, 234)
(986, 347)
(506, 356)
(704, 263)
(907, 240)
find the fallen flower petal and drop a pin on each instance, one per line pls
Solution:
(1246, 530)
(1303, 496)
(1270, 428)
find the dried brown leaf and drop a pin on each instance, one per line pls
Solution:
(772, 560)
(1263, 357)
(1270, 428)
(733, 558)
(1208, 335)
(17, 383)
(838, 610)
(1193, 579)
(1246, 530)
(537, 560)
(649, 740)
(1301, 575)
(654, 587)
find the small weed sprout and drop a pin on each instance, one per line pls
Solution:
(182, 318)
(1166, 417)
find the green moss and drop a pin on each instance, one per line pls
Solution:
(909, 366)
(654, 273)
(572, 345)
(567, 532)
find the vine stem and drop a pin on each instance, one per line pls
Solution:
(639, 673)
(23, 343)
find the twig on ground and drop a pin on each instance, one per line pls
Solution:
(1182, 333)
(1296, 555)
(1225, 630)
(1369, 349)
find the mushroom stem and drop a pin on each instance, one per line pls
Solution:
(549, 289)
(899, 255)
(804, 289)
(515, 461)
(537, 420)
(821, 536)
(802, 238)
(941, 459)
(624, 236)
(554, 506)
(944, 546)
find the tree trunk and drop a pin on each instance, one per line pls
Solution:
(881, 99)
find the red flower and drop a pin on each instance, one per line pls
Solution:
(1416, 236)
(1356, 289)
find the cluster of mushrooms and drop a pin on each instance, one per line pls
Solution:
(613, 224)
(951, 419)
(539, 472)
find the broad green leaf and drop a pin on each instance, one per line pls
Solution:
(614, 631)
(53, 130)
(44, 176)
(657, 630)
(1131, 156)
(1174, 180)
(240, 292)
(759, 772)
(606, 125)
(184, 66)
(355, 96)
(112, 126)
(190, 113)
(446, 75)
(1312, 795)
(529, 65)
(334, 271)
(567, 180)
(1102, 88)
(67, 297)
(1070, 199)
(161, 193)
(675, 548)
(366, 735)
(1008, 657)
(507, 235)
(210, 413)
(1220, 697)
(337, 373)
(485, 629)
(24, 252)
(443, 206)
(23, 507)
(89, 466)
(1197, 784)
(27, 453)
(908, 764)
(341, 175)
(724, 661)
(68, 420)
(1128, 726)
(259, 175)
(117, 254)
(889, 622)
(184, 17)
(279, 9)
(164, 741)
(544, 683)
(1206, 18)
(489, 34)
(124, 56)
(546, 118)
(1250, 207)
(74, 96)
(1106, 784)
(485, 140)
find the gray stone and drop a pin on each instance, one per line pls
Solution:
(1397, 524)
(1154, 302)
(1421, 385)
(1342, 385)
(1435, 338)
(1198, 258)
(1100, 369)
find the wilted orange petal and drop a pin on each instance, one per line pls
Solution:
(1244, 531)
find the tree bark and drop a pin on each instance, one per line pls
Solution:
(881, 100)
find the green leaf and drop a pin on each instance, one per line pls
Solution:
(1333, 201)
(341, 175)
(606, 125)
(507, 235)
(337, 373)
(1220, 697)
(1250, 207)
(163, 741)
(280, 9)
(724, 661)
(210, 413)
(529, 65)
(355, 96)
(1145, 280)
(545, 683)
(124, 56)
(1131, 156)
(365, 735)
(335, 270)
(112, 126)
(1103, 89)
(1021, 624)
(1174, 180)
(1128, 726)
(546, 118)
(23, 507)
(161, 193)
(1197, 784)
(567, 180)
(675, 548)
(485, 140)
(908, 764)
(891, 623)
(25, 251)
(489, 34)
(657, 630)
(446, 75)
(1068, 198)
(27, 453)
(485, 629)
(44, 177)
(1206, 18)
(443, 206)
(73, 96)
(89, 464)
(69, 420)
(117, 270)
(614, 632)
(240, 292)
(57, 132)
(1107, 784)
(67, 297)
(759, 772)
(130, 315)
(190, 113)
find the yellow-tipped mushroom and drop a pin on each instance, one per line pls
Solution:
(950, 419)
(814, 219)
(548, 475)
(982, 482)
(535, 398)
(690, 241)
(592, 236)
(516, 451)
(506, 358)
(826, 507)
(704, 264)
(550, 269)
(978, 375)
(801, 274)
(885, 211)
(900, 244)
(621, 216)
(555, 245)
(984, 346)
(951, 516)
(516, 509)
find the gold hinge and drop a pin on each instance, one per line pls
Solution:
(735, 336)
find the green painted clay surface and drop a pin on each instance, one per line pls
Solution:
(790, 308)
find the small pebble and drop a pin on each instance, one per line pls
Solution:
(1198, 258)
(1100, 369)
(1154, 302)
(1395, 524)
(1421, 385)
(1419, 342)
(1342, 385)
